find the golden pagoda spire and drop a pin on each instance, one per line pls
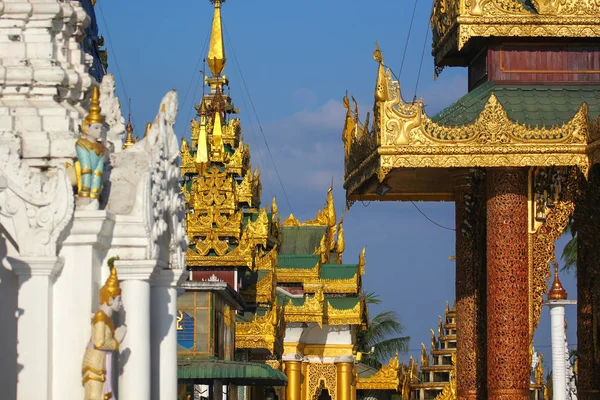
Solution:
(148, 126)
(129, 139)
(216, 51)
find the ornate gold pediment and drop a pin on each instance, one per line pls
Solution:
(387, 378)
(455, 22)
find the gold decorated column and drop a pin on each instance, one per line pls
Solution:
(293, 370)
(345, 377)
(508, 360)
(469, 201)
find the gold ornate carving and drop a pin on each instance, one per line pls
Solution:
(555, 212)
(454, 22)
(312, 310)
(321, 376)
(187, 162)
(239, 160)
(328, 350)
(387, 378)
(261, 333)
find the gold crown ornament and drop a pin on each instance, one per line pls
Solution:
(94, 115)
(111, 288)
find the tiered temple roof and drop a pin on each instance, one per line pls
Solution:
(315, 285)
(232, 239)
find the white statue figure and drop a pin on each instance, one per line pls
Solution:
(96, 368)
(111, 109)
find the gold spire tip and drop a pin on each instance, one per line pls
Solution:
(94, 112)
(557, 291)
(216, 51)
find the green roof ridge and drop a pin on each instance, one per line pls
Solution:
(338, 271)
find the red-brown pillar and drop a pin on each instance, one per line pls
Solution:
(469, 201)
(507, 285)
(587, 220)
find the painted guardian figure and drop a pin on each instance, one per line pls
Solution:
(96, 368)
(91, 152)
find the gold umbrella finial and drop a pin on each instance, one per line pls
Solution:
(216, 51)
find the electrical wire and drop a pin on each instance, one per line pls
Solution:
(194, 74)
(260, 125)
(429, 219)
(250, 125)
(408, 37)
(422, 56)
(114, 54)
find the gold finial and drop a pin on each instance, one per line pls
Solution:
(361, 261)
(216, 51)
(341, 243)
(111, 288)
(129, 139)
(274, 208)
(349, 126)
(377, 54)
(148, 126)
(381, 91)
(94, 112)
(557, 292)
(331, 217)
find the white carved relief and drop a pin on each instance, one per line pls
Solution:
(35, 207)
(111, 109)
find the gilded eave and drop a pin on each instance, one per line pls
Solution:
(455, 22)
(404, 138)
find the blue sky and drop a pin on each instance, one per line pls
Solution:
(297, 60)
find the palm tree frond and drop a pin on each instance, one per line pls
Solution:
(569, 255)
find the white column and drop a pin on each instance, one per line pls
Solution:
(557, 326)
(34, 332)
(164, 333)
(76, 298)
(134, 352)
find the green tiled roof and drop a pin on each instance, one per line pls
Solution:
(301, 239)
(235, 372)
(343, 303)
(338, 271)
(301, 261)
(527, 104)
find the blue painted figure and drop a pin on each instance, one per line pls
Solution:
(90, 152)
